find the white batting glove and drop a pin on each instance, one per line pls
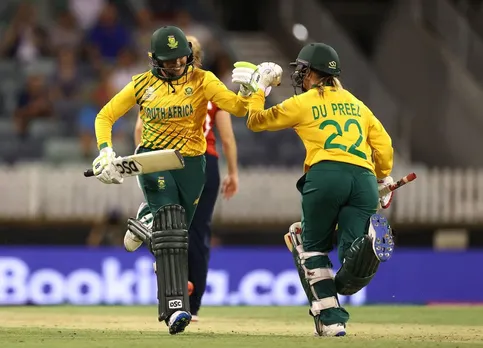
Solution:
(270, 76)
(246, 75)
(251, 77)
(104, 168)
(385, 201)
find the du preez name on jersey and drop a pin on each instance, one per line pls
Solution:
(342, 109)
(175, 111)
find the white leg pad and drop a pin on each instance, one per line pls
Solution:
(304, 255)
(316, 275)
(324, 303)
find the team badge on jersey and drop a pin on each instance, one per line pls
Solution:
(161, 183)
(188, 91)
(148, 94)
(172, 43)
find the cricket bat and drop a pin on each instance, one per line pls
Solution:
(401, 182)
(382, 192)
(146, 162)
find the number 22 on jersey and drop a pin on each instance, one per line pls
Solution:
(331, 142)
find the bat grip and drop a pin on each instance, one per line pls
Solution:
(88, 173)
(386, 190)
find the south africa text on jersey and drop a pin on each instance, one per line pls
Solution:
(176, 111)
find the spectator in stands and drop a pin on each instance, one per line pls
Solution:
(24, 39)
(146, 25)
(109, 231)
(108, 37)
(223, 68)
(203, 33)
(126, 67)
(67, 77)
(100, 96)
(165, 8)
(65, 32)
(86, 12)
(33, 102)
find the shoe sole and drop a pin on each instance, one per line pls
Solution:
(180, 324)
(382, 238)
(339, 334)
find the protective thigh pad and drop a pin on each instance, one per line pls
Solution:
(139, 230)
(359, 267)
(170, 248)
(309, 277)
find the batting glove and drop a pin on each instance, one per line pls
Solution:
(385, 201)
(251, 77)
(270, 76)
(104, 168)
(246, 75)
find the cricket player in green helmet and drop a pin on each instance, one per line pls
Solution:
(348, 154)
(173, 97)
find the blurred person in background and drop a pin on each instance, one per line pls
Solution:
(125, 68)
(166, 9)
(185, 22)
(97, 98)
(108, 37)
(146, 24)
(173, 98)
(86, 12)
(200, 229)
(33, 103)
(348, 154)
(25, 39)
(223, 65)
(109, 231)
(67, 76)
(65, 33)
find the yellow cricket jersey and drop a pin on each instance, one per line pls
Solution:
(334, 127)
(172, 115)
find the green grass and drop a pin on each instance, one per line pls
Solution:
(280, 327)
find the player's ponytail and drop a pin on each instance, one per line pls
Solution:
(328, 81)
(197, 52)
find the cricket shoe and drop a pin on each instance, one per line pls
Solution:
(131, 241)
(382, 237)
(178, 321)
(334, 330)
(195, 318)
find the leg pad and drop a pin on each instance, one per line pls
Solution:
(169, 243)
(359, 267)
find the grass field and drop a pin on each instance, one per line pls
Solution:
(280, 327)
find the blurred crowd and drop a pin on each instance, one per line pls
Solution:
(75, 62)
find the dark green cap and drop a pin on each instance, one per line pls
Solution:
(320, 57)
(169, 43)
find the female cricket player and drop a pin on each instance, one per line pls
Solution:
(347, 150)
(200, 229)
(173, 97)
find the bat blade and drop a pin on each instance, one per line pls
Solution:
(146, 162)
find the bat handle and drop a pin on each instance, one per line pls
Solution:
(88, 173)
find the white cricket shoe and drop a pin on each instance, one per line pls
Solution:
(178, 321)
(131, 241)
(334, 330)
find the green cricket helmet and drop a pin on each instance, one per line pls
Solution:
(318, 57)
(169, 43)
